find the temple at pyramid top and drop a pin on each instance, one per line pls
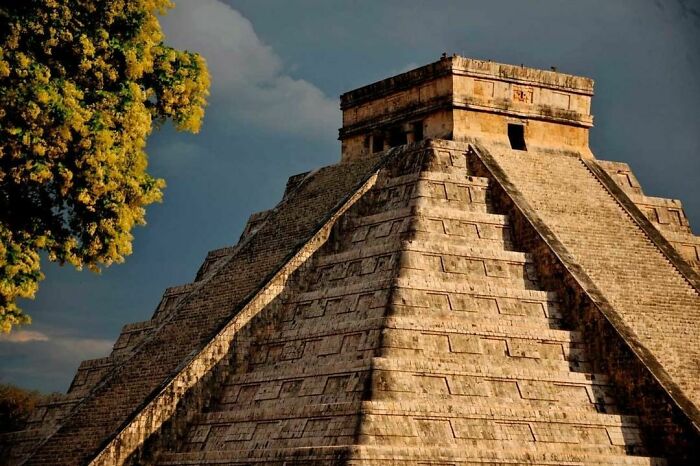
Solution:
(469, 285)
(459, 98)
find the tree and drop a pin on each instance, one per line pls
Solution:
(82, 83)
(16, 405)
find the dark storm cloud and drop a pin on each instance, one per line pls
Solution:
(277, 70)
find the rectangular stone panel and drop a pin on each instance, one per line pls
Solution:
(292, 350)
(536, 390)
(504, 388)
(393, 381)
(435, 342)
(218, 435)
(380, 425)
(567, 433)
(353, 342)
(477, 195)
(238, 432)
(624, 436)
(463, 265)
(456, 192)
(433, 262)
(494, 346)
(199, 434)
(468, 386)
(291, 428)
(499, 269)
(247, 393)
(434, 385)
(518, 307)
(483, 429)
(309, 310)
(572, 393)
(434, 429)
(439, 301)
(465, 229)
(434, 226)
(518, 348)
(483, 305)
(268, 391)
(290, 388)
(465, 344)
(336, 384)
(316, 427)
(360, 234)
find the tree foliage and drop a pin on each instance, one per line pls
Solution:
(16, 405)
(82, 83)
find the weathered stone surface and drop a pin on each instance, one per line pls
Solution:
(442, 302)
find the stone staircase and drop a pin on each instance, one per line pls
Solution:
(418, 335)
(667, 215)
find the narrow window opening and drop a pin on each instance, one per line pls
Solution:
(516, 135)
(397, 137)
(418, 131)
(377, 142)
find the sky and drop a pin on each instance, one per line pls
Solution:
(278, 68)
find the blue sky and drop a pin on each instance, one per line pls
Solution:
(277, 70)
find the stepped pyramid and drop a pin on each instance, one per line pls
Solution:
(468, 285)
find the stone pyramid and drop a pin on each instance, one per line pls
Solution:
(469, 285)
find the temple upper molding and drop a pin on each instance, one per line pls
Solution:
(457, 97)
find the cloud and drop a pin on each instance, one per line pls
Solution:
(46, 361)
(23, 336)
(250, 84)
(86, 348)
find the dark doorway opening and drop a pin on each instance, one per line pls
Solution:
(417, 131)
(377, 142)
(516, 135)
(397, 137)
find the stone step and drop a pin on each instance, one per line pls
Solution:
(486, 286)
(361, 455)
(430, 245)
(337, 374)
(503, 412)
(466, 249)
(276, 396)
(418, 282)
(352, 275)
(502, 242)
(493, 352)
(326, 326)
(496, 327)
(507, 428)
(442, 261)
(465, 274)
(466, 296)
(429, 203)
(455, 189)
(445, 213)
(485, 273)
(459, 177)
(331, 364)
(477, 374)
(551, 321)
(563, 397)
(412, 284)
(171, 299)
(214, 259)
(463, 338)
(484, 412)
(515, 455)
(447, 224)
(507, 371)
